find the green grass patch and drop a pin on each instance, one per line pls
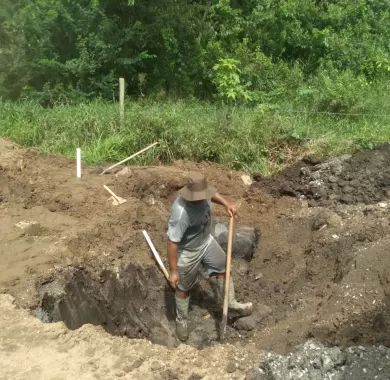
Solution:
(253, 139)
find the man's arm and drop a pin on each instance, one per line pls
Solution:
(177, 226)
(172, 249)
(230, 207)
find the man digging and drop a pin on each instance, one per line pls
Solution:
(191, 247)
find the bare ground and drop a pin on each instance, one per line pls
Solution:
(324, 271)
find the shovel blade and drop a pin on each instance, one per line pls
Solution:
(116, 201)
(121, 200)
(222, 327)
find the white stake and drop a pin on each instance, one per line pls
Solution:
(121, 99)
(78, 162)
(156, 255)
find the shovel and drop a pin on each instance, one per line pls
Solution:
(115, 199)
(156, 255)
(227, 278)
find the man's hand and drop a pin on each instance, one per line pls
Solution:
(174, 278)
(231, 209)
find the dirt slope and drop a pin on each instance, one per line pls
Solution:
(319, 272)
(30, 349)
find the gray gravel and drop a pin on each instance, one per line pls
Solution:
(313, 361)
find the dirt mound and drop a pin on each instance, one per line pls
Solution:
(320, 272)
(361, 178)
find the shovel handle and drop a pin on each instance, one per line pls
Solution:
(129, 158)
(227, 277)
(156, 255)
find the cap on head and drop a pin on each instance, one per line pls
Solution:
(197, 188)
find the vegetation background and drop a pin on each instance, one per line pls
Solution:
(254, 84)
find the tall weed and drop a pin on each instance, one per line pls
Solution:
(260, 138)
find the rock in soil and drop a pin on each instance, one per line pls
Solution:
(245, 323)
(231, 367)
(245, 240)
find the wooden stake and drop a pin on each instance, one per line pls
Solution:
(227, 278)
(121, 100)
(156, 255)
(78, 162)
(128, 158)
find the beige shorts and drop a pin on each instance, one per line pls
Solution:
(210, 257)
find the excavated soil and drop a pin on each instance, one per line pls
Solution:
(363, 178)
(321, 269)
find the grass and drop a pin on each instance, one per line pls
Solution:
(252, 139)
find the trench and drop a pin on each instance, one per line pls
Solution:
(134, 302)
(126, 302)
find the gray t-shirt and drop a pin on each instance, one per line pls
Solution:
(190, 223)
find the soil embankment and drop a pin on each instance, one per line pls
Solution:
(321, 269)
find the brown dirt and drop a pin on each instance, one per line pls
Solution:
(362, 178)
(324, 271)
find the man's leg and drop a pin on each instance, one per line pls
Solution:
(242, 309)
(188, 267)
(215, 261)
(182, 303)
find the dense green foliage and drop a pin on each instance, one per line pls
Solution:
(64, 51)
(268, 79)
(254, 140)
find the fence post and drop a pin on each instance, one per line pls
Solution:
(121, 100)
